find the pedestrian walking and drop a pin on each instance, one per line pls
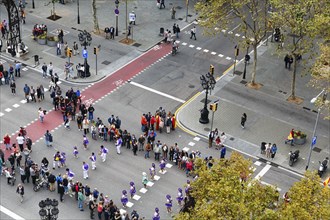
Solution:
(168, 203)
(243, 120)
(26, 90)
(103, 152)
(85, 142)
(173, 11)
(58, 48)
(124, 199)
(75, 152)
(144, 179)
(44, 70)
(75, 48)
(85, 168)
(148, 149)
(41, 114)
(61, 191)
(273, 150)
(132, 18)
(20, 191)
(56, 160)
(118, 144)
(93, 160)
(223, 151)
(162, 4)
(156, 215)
(20, 141)
(152, 171)
(22, 173)
(193, 33)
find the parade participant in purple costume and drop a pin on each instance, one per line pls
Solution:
(168, 203)
(119, 142)
(93, 160)
(103, 152)
(75, 152)
(132, 189)
(69, 173)
(124, 199)
(162, 165)
(180, 197)
(63, 159)
(156, 215)
(85, 168)
(85, 142)
(188, 187)
(152, 171)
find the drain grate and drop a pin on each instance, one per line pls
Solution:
(191, 86)
(136, 44)
(306, 108)
(180, 19)
(189, 15)
(203, 101)
(231, 139)
(238, 73)
(63, 57)
(106, 62)
(316, 149)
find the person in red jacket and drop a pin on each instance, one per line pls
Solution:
(6, 141)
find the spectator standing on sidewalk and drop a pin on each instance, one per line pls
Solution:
(223, 151)
(273, 150)
(243, 120)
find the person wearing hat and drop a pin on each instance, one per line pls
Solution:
(179, 198)
(132, 189)
(144, 179)
(124, 199)
(168, 203)
(156, 215)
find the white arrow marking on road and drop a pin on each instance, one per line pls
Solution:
(262, 172)
(10, 213)
(157, 92)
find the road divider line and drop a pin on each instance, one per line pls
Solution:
(10, 213)
(262, 172)
(157, 92)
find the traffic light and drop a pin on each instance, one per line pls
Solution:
(211, 69)
(214, 107)
(96, 50)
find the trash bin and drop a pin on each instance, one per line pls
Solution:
(161, 31)
(36, 59)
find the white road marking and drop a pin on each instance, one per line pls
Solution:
(258, 163)
(213, 53)
(165, 171)
(243, 37)
(191, 144)
(237, 35)
(220, 55)
(8, 109)
(157, 177)
(23, 101)
(129, 204)
(16, 105)
(186, 149)
(25, 69)
(198, 48)
(168, 165)
(1, 114)
(150, 184)
(136, 197)
(177, 41)
(262, 172)
(228, 58)
(223, 30)
(10, 213)
(206, 50)
(235, 28)
(196, 139)
(143, 190)
(184, 43)
(157, 92)
(191, 46)
(122, 212)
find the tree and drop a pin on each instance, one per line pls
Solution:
(53, 12)
(252, 16)
(297, 18)
(308, 200)
(95, 20)
(321, 77)
(225, 192)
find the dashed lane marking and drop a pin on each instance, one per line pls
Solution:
(198, 48)
(157, 177)
(16, 105)
(220, 55)
(1, 114)
(191, 46)
(143, 190)
(196, 139)
(129, 204)
(186, 149)
(191, 144)
(8, 109)
(228, 58)
(157, 92)
(150, 184)
(23, 101)
(206, 50)
(213, 53)
(136, 197)
(268, 184)
(184, 43)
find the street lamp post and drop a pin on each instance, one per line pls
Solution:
(78, 16)
(208, 82)
(116, 13)
(313, 142)
(85, 39)
(245, 60)
(33, 4)
(48, 209)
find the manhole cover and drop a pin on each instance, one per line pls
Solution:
(238, 73)
(207, 129)
(136, 44)
(191, 86)
(306, 108)
(106, 62)
(54, 17)
(316, 149)
(180, 19)
(203, 101)
(231, 138)
(243, 82)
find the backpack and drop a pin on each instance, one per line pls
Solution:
(50, 138)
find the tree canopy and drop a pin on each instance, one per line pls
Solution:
(225, 191)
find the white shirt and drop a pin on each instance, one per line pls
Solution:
(20, 139)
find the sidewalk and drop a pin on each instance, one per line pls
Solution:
(270, 116)
(113, 54)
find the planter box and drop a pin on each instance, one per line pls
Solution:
(299, 141)
(51, 43)
(42, 41)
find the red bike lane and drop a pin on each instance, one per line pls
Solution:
(53, 119)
